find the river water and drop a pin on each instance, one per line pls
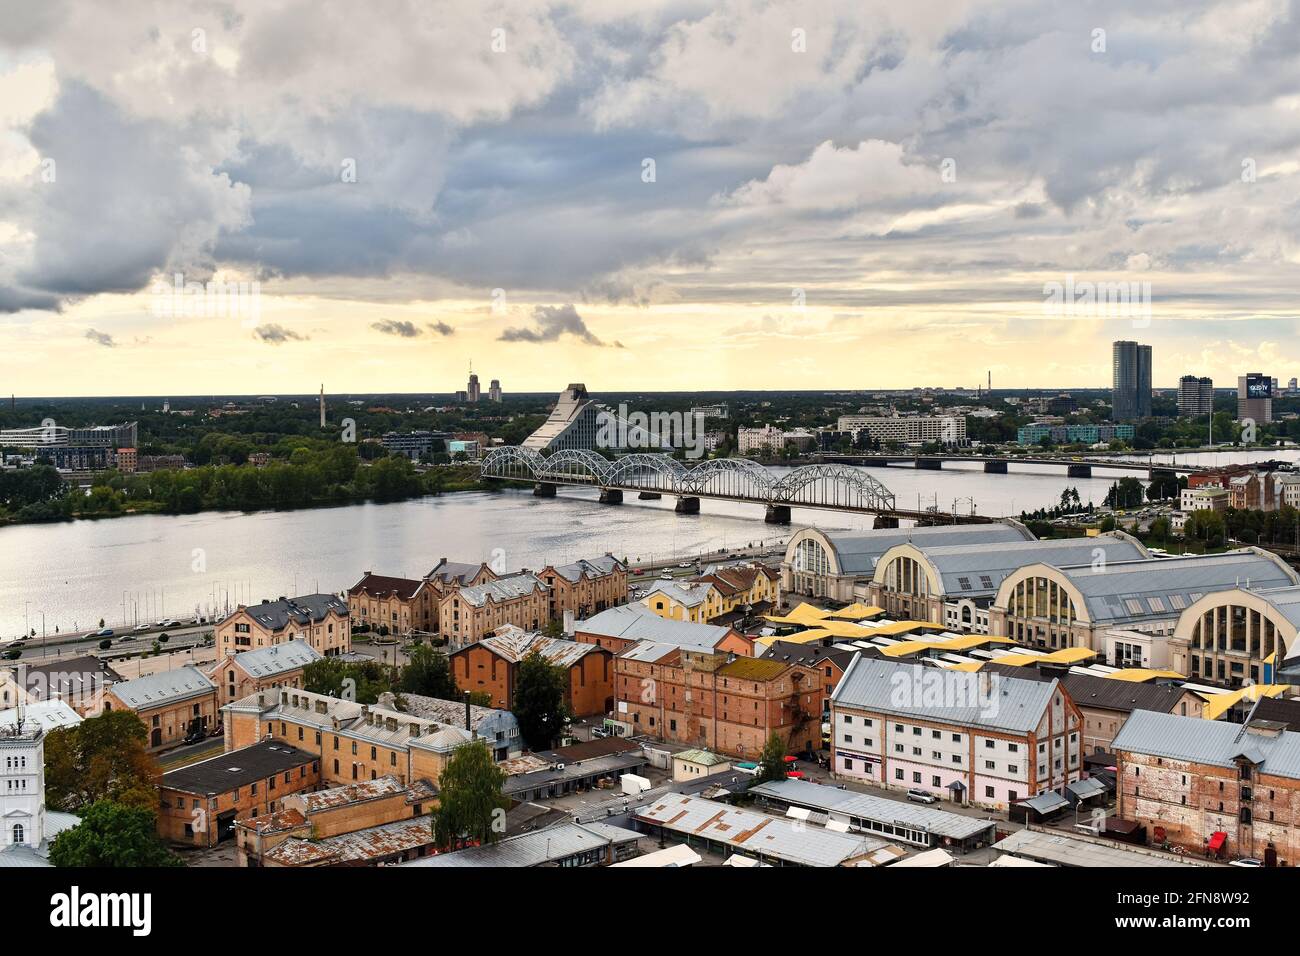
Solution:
(147, 567)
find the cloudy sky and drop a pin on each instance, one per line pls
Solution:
(666, 195)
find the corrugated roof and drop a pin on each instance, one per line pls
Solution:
(756, 833)
(866, 806)
(534, 849)
(857, 552)
(1208, 741)
(703, 757)
(502, 589)
(636, 622)
(514, 644)
(276, 659)
(972, 700)
(162, 687)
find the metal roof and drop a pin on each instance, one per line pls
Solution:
(685, 593)
(534, 849)
(303, 610)
(755, 833)
(1213, 742)
(907, 690)
(866, 806)
(276, 659)
(238, 768)
(974, 570)
(514, 644)
(1071, 851)
(1116, 592)
(502, 589)
(162, 688)
(593, 568)
(46, 714)
(636, 622)
(858, 551)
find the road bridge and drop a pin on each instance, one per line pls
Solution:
(999, 464)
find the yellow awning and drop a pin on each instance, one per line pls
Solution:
(968, 666)
(803, 614)
(902, 627)
(954, 644)
(802, 637)
(856, 612)
(1066, 655)
(1216, 705)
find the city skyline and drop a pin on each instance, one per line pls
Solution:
(830, 198)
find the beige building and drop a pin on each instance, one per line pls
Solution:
(1232, 636)
(320, 620)
(468, 614)
(268, 668)
(584, 587)
(172, 704)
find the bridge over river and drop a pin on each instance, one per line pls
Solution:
(828, 486)
(998, 464)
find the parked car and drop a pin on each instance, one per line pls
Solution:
(1246, 861)
(684, 564)
(141, 627)
(922, 796)
(666, 576)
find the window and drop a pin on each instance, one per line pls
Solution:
(19, 833)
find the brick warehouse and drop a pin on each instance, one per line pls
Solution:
(1194, 779)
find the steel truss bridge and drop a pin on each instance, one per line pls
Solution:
(832, 487)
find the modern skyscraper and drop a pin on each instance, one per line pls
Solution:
(1255, 398)
(494, 391)
(1131, 385)
(1195, 396)
(472, 390)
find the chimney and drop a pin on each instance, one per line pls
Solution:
(390, 723)
(365, 712)
(414, 728)
(468, 725)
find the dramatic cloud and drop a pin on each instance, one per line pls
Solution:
(441, 328)
(100, 338)
(550, 322)
(398, 327)
(277, 334)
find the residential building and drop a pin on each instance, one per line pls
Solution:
(127, 461)
(726, 704)
(491, 666)
(200, 803)
(1195, 396)
(1052, 607)
(497, 727)
(319, 619)
(770, 438)
(415, 445)
(467, 614)
(1255, 398)
(77, 681)
(831, 564)
(353, 741)
(621, 627)
(972, 737)
(172, 704)
(1033, 434)
(320, 815)
(1286, 487)
(1252, 491)
(398, 606)
(1131, 381)
(914, 429)
(697, 764)
(267, 668)
(584, 587)
(1212, 787)
(494, 391)
(472, 388)
(918, 581)
(1204, 498)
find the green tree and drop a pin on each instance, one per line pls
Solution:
(771, 764)
(330, 676)
(427, 674)
(541, 694)
(1107, 523)
(113, 834)
(471, 808)
(102, 758)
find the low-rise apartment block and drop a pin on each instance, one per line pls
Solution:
(973, 738)
(468, 614)
(584, 587)
(394, 605)
(319, 619)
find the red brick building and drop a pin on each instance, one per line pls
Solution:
(491, 666)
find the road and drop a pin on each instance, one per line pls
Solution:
(55, 646)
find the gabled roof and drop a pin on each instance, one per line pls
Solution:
(593, 568)
(687, 594)
(162, 688)
(1105, 693)
(908, 690)
(276, 659)
(502, 589)
(636, 622)
(304, 610)
(809, 655)
(378, 585)
(1212, 742)
(514, 644)
(455, 572)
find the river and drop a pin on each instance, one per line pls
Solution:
(147, 567)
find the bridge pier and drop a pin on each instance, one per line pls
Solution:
(777, 514)
(611, 496)
(930, 464)
(885, 521)
(1079, 471)
(995, 467)
(544, 490)
(649, 496)
(687, 506)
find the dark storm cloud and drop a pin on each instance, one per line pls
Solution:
(550, 322)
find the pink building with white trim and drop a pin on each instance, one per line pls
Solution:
(984, 739)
